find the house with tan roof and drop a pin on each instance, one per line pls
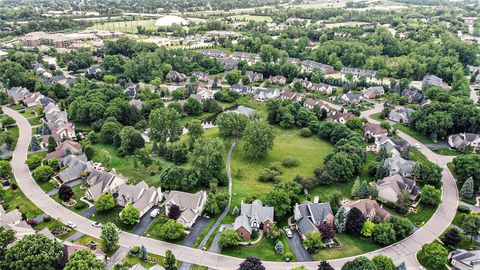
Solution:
(190, 204)
(13, 220)
(390, 187)
(370, 209)
(373, 131)
(140, 196)
(65, 148)
(32, 99)
(463, 140)
(75, 167)
(103, 182)
(341, 117)
(294, 96)
(310, 103)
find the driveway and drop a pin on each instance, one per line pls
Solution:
(89, 211)
(145, 222)
(197, 229)
(296, 244)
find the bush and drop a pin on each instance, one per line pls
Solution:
(463, 209)
(135, 250)
(269, 175)
(290, 162)
(288, 256)
(80, 205)
(47, 218)
(305, 132)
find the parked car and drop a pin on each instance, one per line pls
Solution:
(288, 232)
(118, 230)
(71, 225)
(154, 213)
(417, 145)
(97, 224)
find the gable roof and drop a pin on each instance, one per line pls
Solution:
(185, 200)
(399, 165)
(367, 205)
(257, 211)
(242, 222)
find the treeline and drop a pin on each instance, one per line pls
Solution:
(47, 25)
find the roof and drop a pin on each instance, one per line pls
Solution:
(399, 165)
(339, 115)
(367, 205)
(375, 129)
(432, 80)
(11, 217)
(242, 222)
(64, 147)
(467, 258)
(308, 214)
(257, 210)
(358, 71)
(185, 200)
(76, 165)
(397, 184)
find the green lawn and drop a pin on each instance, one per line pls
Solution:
(131, 260)
(202, 117)
(85, 239)
(81, 127)
(351, 246)
(446, 151)
(264, 250)
(35, 121)
(154, 228)
(53, 224)
(46, 186)
(125, 26)
(28, 113)
(417, 135)
(16, 199)
(17, 106)
(376, 116)
(110, 216)
(254, 18)
(424, 213)
(78, 193)
(417, 156)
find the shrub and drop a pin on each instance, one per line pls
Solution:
(305, 132)
(47, 218)
(288, 256)
(290, 162)
(80, 205)
(269, 175)
(135, 250)
(463, 209)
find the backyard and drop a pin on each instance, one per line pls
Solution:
(264, 250)
(110, 216)
(350, 246)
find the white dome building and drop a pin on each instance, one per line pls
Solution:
(170, 20)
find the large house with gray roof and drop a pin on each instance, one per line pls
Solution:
(102, 182)
(401, 115)
(466, 260)
(309, 215)
(191, 205)
(464, 140)
(390, 187)
(393, 146)
(432, 80)
(398, 165)
(75, 168)
(253, 216)
(140, 196)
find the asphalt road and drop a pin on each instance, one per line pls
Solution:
(403, 251)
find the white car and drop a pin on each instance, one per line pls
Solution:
(154, 213)
(71, 225)
(118, 230)
(288, 232)
(417, 145)
(97, 224)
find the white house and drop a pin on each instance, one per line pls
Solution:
(190, 204)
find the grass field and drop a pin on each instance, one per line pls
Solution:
(28, 113)
(35, 121)
(254, 18)
(131, 260)
(53, 224)
(417, 135)
(16, 199)
(125, 26)
(110, 216)
(351, 246)
(78, 193)
(264, 250)
(423, 214)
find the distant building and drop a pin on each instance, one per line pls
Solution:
(401, 115)
(413, 96)
(65, 148)
(280, 80)
(169, 20)
(359, 73)
(294, 96)
(310, 103)
(373, 92)
(341, 117)
(309, 65)
(254, 76)
(175, 76)
(432, 80)
(351, 99)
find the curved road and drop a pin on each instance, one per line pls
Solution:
(403, 251)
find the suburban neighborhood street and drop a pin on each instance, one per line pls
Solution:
(403, 251)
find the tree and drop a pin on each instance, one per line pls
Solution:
(279, 200)
(433, 256)
(105, 202)
(340, 167)
(360, 263)
(131, 140)
(84, 260)
(129, 215)
(335, 200)
(231, 125)
(43, 173)
(251, 263)
(193, 107)
(34, 161)
(402, 226)
(104, 157)
(7, 121)
(206, 160)
(144, 157)
(324, 265)
(355, 188)
(403, 202)
(109, 237)
(465, 166)
(452, 237)
(367, 228)
(382, 262)
(467, 190)
(279, 249)
(174, 212)
(471, 225)
(143, 254)
(229, 238)
(89, 151)
(110, 130)
(195, 129)
(313, 241)
(171, 230)
(170, 262)
(429, 173)
(52, 144)
(431, 195)
(233, 77)
(165, 125)
(258, 139)
(365, 191)
(34, 251)
(5, 169)
(9, 140)
(355, 220)
(341, 219)
(326, 229)
(65, 193)
(384, 234)
(7, 237)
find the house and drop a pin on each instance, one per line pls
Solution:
(138, 266)
(137, 103)
(147, 86)
(45, 101)
(293, 60)
(201, 76)
(102, 182)
(432, 80)
(294, 96)
(32, 99)
(373, 130)
(413, 96)
(75, 168)
(205, 94)
(401, 115)
(341, 117)
(229, 64)
(254, 76)
(398, 165)
(322, 87)
(254, 216)
(390, 187)
(250, 58)
(462, 140)
(63, 131)
(304, 82)
(243, 110)
(263, 94)
(392, 146)
(309, 65)
(92, 71)
(55, 117)
(130, 91)
(69, 249)
(242, 89)
(358, 73)
(309, 215)
(214, 53)
(280, 80)
(17, 93)
(140, 196)
(465, 260)
(351, 98)
(175, 76)
(50, 108)
(65, 148)
(373, 92)
(13, 220)
(60, 79)
(310, 103)
(370, 209)
(190, 204)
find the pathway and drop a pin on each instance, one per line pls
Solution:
(403, 251)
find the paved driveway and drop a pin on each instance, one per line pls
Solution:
(197, 229)
(145, 222)
(296, 244)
